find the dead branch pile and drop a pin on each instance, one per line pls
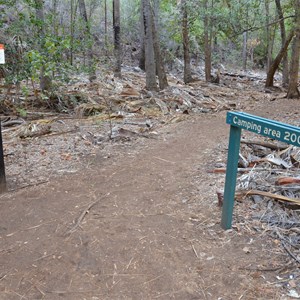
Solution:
(269, 174)
(125, 104)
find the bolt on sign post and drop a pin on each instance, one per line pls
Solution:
(2, 166)
(237, 120)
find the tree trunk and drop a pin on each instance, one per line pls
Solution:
(117, 40)
(54, 13)
(277, 60)
(207, 43)
(187, 77)
(73, 9)
(293, 91)
(142, 41)
(268, 35)
(105, 30)
(87, 33)
(149, 49)
(45, 81)
(285, 63)
(142, 55)
(244, 54)
(160, 69)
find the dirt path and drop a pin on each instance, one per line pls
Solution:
(140, 225)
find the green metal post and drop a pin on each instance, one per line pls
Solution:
(231, 174)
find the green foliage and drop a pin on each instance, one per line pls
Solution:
(21, 112)
(64, 32)
(50, 58)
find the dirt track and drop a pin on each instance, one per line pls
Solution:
(143, 224)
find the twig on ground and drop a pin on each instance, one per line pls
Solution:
(290, 253)
(256, 269)
(28, 185)
(194, 250)
(82, 215)
(153, 279)
(165, 160)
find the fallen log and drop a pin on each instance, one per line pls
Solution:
(264, 144)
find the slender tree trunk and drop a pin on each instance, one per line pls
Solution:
(207, 43)
(285, 63)
(244, 54)
(117, 40)
(156, 13)
(142, 58)
(268, 35)
(54, 21)
(45, 81)
(277, 60)
(105, 29)
(73, 9)
(160, 69)
(142, 41)
(293, 91)
(187, 77)
(149, 49)
(87, 33)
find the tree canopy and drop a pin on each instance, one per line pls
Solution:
(54, 39)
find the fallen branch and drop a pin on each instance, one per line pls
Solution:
(281, 238)
(28, 185)
(243, 170)
(257, 269)
(264, 144)
(287, 180)
(269, 195)
(82, 215)
(63, 132)
(241, 76)
(290, 253)
(277, 161)
(12, 122)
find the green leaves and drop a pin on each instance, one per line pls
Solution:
(49, 58)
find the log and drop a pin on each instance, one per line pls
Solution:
(264, 144)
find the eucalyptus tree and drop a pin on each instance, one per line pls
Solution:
(88, 38)
(276, 62)
(240, 19)
(159, 64)
(45, 80)
(150, 41)
(187, 75)
(207, 39)
(268, 35)
(149, 49)
(293, 91)
(117, 37)
(285, 63)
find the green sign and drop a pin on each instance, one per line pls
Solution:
(272, 129)
(269, 128)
